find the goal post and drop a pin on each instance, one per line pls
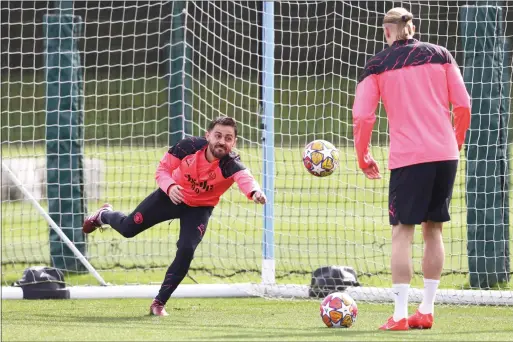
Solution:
(267, 87)
(487, 70)
(64, 134)
(287, 71)
(178, 73)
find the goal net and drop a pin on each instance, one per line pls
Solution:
(132, 104)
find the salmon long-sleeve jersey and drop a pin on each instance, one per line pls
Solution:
(416, 82)
(203, 182)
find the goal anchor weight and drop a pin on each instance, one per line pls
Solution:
(328, 279)
(40, 282)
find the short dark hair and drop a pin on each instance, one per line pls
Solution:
(223, 121)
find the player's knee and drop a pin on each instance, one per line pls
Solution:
(432, 232)
(129, 232)
(185, 251)
(403, 232)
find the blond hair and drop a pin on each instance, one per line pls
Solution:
(402, 19)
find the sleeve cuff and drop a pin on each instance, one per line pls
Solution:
(252, 192)
(166, 185)
(365, 162)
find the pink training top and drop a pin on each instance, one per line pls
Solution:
(416, 82)
(203, 182)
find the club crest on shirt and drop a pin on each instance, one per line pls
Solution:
(212, 175)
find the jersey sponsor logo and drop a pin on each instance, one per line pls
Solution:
(198, 186)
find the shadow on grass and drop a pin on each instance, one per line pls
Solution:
(142, 318)
(318, 334)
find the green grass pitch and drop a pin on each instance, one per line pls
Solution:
(234, 319)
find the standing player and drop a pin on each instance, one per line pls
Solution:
(415, 81)
(191, 177)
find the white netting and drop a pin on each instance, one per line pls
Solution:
(127, 50)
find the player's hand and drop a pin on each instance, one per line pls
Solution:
(372, 171)
(259, 197)
(175, 194)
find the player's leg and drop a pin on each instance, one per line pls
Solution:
(409, 197)
(193, 224)
(434, 251)
(155, 208)
(432, 265)
(401, 266)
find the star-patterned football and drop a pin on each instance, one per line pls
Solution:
(320, 158)
(339, 310)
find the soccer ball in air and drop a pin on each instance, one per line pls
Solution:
(339, 310)
(320, 158)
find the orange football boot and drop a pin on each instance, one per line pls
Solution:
(393, 325)
(420, 321)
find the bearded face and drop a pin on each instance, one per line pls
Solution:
(218, 150)
(221, 139)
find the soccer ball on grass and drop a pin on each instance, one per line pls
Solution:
(320, 158)
(339, 310)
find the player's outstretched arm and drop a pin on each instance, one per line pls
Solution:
(364, 116)
(249, 186)
(167, 165)
(460, 100)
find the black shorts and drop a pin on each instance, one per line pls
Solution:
(421, 192)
